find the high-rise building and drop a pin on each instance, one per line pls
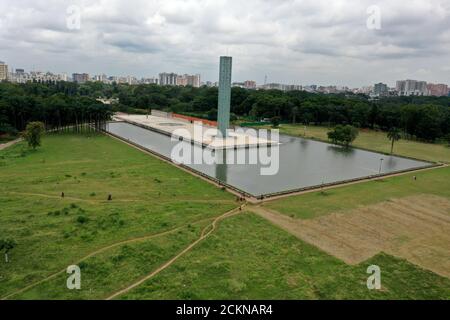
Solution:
(194, 81)
(411, 88)
(438, 90)
(149, 80)
(380, 89)
(80, 77)
(250, 84)
(3, 71)
(168, 79)
(182, 80)
(188, 80)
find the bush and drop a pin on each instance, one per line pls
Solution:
(343, 135)
(82, 219)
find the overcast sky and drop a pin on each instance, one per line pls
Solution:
(290, 41)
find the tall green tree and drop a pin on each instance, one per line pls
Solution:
(394, 135)
(344, 135)
(7, 245)
(33, 134)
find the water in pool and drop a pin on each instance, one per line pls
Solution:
(303, 163)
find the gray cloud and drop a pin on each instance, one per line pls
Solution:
(291, 41)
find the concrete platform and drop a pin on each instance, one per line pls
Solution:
(200, 134)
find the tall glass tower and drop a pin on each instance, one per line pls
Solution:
(223, 117)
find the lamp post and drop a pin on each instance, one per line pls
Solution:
(381, 165)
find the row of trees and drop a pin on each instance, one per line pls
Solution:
(345, 135)
(425, 118)
(58, 104)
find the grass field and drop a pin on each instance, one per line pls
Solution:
(157, 211)
(148, 197)
(312, 205)
(248, 258)
(377, 141)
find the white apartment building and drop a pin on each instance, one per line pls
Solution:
(3, 71)
(168, 79)
(412, 88)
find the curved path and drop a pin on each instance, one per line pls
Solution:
(10, 143)
(204, 235)
(100, 250)
(94, 201)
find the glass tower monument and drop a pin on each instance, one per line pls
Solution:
(223, 117)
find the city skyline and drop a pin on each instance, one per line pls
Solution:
(428, 88)
(293, 42)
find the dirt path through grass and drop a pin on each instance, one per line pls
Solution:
(9, 144)
(92, 201)
(205, 233)
(111, 246)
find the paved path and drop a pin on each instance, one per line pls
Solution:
(8, 144)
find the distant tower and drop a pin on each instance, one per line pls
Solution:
(223, 116)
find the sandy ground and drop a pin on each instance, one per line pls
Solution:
(415, 228)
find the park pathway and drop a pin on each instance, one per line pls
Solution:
(9, 144)
(208, 230)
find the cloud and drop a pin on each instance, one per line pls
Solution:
(291, 41)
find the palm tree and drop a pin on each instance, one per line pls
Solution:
(394, 135)
(7, 245)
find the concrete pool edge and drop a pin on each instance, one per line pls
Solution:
(271, 196)
(257, 144)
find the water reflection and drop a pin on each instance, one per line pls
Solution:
(221, 166)
(302, 163)
(346, 152)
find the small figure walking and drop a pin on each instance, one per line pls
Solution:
(110, 197)
(415, 178)
(62, 194)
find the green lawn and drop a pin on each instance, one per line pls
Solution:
(248, 258)
(377, 141)
(148, 197)
(311, 205)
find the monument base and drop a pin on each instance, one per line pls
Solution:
(200, 134)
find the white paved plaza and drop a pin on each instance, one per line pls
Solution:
(196, 132)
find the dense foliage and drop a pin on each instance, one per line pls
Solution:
(343, 134)
(33, 134)
(56, 104)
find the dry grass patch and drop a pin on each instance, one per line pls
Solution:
(416, 228)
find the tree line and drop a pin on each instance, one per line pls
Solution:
(59, 106)
(61, 103)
